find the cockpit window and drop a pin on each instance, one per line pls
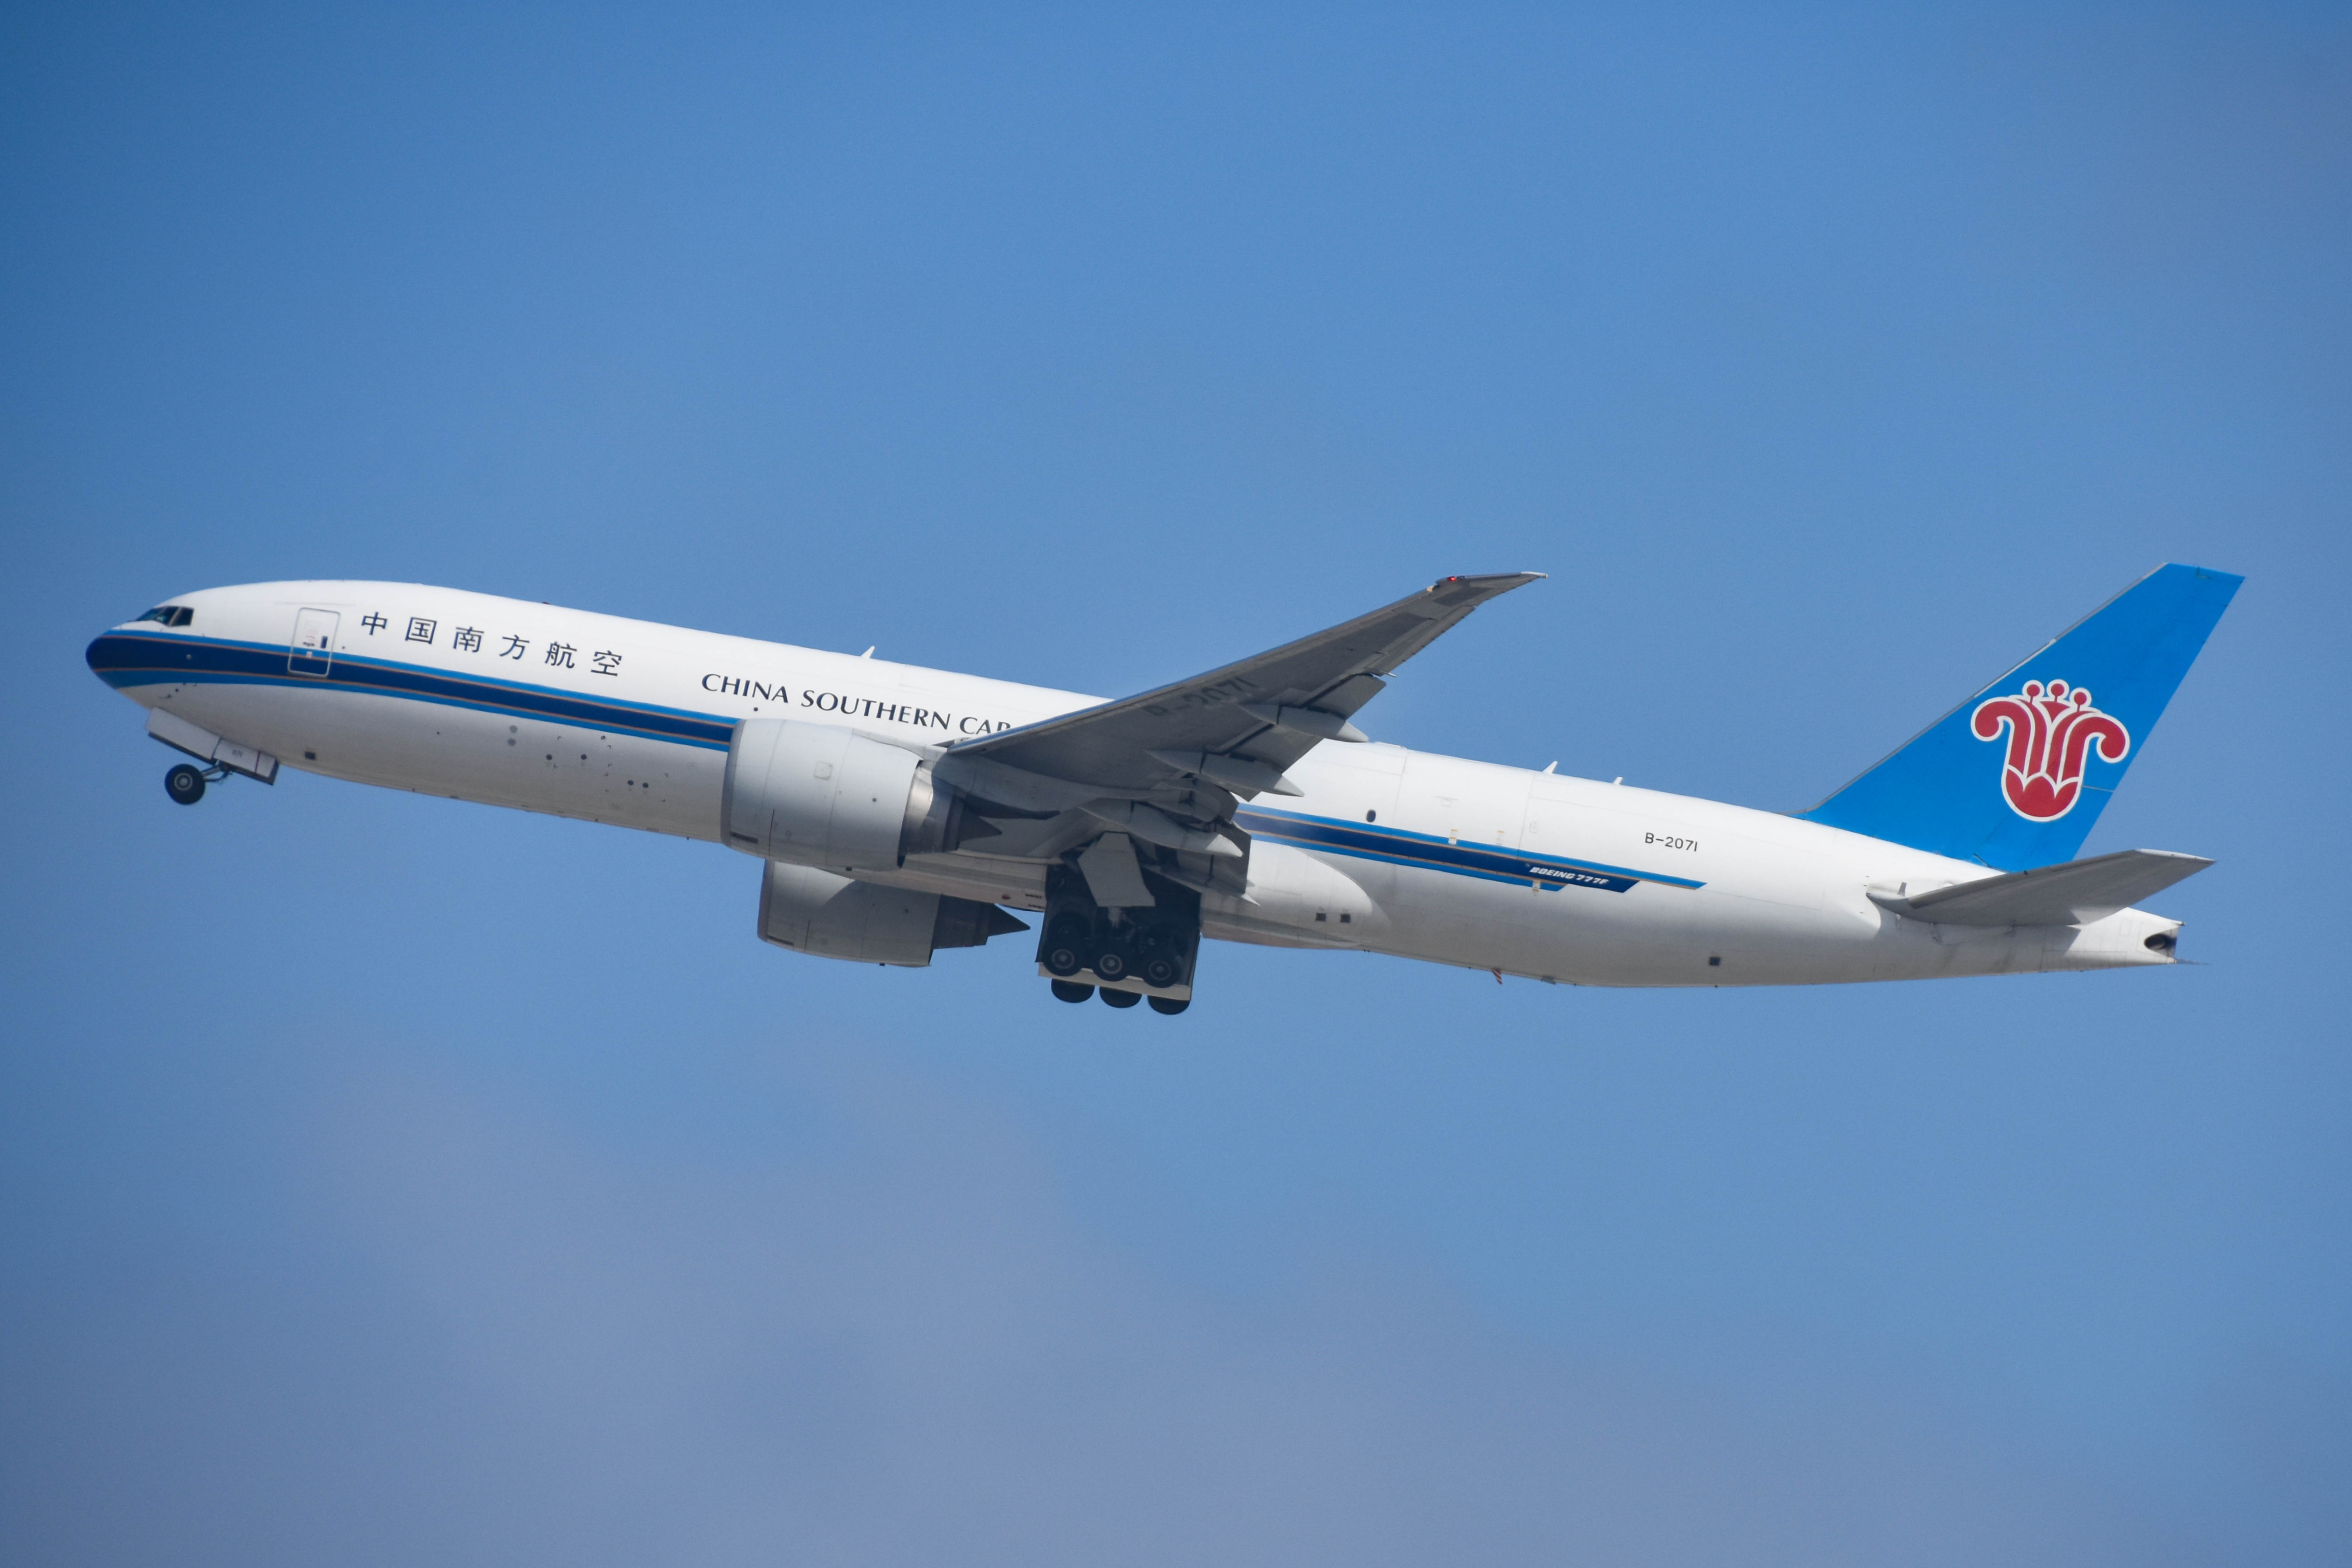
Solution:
(169, 614)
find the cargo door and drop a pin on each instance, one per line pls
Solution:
(314, 642)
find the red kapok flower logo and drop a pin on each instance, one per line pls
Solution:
(2050, 735)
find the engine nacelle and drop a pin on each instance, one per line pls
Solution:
(816, 795)
(817, 912)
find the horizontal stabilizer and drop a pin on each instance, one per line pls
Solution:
(2068, 894)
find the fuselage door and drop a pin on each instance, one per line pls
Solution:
(314, 642)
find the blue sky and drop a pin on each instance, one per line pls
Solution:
(389, 1179)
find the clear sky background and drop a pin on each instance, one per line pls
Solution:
(391, 1180)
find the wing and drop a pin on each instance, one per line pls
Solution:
(1235, 728)
(2065, 894)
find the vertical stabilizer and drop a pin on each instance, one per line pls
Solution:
(2016, 775)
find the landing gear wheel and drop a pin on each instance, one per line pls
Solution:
(1172, 1005)
(1159, 970)
(1071, 991)
(1111, 963)
(1062, 959)
(184, 784)
(1123, 998)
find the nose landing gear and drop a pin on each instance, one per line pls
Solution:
(187, 785)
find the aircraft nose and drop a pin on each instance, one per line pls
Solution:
(117, 659)
(99, 656)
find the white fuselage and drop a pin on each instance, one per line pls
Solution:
(511, 703)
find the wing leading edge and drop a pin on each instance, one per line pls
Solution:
(1228, 726)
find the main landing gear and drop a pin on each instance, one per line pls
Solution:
(1087, 950)
(185, 785)
(1071, 991)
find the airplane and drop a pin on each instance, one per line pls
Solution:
(899, 810)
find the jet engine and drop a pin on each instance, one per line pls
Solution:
(817, 912)
(818, 795)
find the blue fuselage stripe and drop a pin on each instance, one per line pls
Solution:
(127, 659)
(1492, 862)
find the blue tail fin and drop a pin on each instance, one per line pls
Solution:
(2014, 776)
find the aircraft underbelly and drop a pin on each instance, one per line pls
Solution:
(1655, 936)
(494, 759)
